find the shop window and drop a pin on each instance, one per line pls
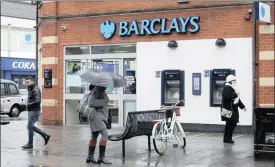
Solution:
(82, 50)
(74, 84)
(2, 74)
(13, 89)
(129, 48)
(26, 40)
(114, 109)
(14, 40)
(129, 72)
(4, 39)
(107, 66)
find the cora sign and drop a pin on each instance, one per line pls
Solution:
(23, 65)
(151, 27)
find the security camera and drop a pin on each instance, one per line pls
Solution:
(250, 11)
(63, 28)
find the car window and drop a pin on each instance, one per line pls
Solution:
(13, 89)
(3, 90)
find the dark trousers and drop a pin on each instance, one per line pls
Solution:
(32, 118)
(229, 128)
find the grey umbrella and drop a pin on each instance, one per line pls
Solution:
(104, 79)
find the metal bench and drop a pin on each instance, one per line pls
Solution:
(139, 123)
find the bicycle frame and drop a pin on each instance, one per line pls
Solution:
(169, 131)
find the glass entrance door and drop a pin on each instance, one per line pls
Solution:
(114, 94)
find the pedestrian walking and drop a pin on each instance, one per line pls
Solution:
(33, 107)
(98, 99)
(231, 102)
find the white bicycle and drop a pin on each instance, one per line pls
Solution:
(164, 131)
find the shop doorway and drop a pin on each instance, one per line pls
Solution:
(122, 100)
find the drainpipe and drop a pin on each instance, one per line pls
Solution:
(254, 63)
(36, 45)
(56, 52)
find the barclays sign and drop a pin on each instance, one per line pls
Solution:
(151, 27)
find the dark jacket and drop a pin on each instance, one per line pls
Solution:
(228, 96)
(34, 98)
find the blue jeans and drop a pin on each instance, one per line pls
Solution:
(32, 118)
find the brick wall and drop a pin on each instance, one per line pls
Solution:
(66, 8)
(214, 22)
(265, 43)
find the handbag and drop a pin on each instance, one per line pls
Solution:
(84, 108)
(225, 112)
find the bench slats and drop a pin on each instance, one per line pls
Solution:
(139, 123)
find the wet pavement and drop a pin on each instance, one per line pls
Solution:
(68, 148)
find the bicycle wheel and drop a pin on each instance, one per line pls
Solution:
(160, 142)
(179, 135)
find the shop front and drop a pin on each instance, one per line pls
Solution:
(185, 54)
(17, 69)
(119, 59)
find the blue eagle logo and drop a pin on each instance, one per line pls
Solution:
(28, 37)
(262, 11)
(107, 29)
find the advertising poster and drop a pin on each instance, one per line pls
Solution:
(130, 76)
(73, 68)
(72, 78)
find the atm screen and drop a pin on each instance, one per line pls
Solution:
(171, 91)
(218, 86)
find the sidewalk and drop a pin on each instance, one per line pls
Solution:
(68, 148)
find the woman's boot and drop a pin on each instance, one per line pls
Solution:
(225, 137)
(90, 158)
(102, 148)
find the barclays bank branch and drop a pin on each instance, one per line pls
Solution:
(163, 54)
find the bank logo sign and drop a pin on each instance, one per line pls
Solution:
(151, 27)
(262, 12)
(107, 29)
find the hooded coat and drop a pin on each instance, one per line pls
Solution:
(99, 120)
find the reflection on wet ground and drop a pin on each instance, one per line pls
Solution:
(68, 148)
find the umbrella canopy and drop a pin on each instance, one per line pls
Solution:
(104, 79)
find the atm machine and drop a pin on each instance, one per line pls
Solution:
(172, 87)
(217, 82)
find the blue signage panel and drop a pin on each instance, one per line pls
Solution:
(196, 84)
(149, 27)
(16, 64)
(262, 12)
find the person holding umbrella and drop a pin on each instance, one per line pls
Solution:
(98, 100)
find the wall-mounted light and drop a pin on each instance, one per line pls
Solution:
(172, 44)
(248, 16)
(183, 1)
(220, 42)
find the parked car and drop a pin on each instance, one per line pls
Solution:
(12, 101)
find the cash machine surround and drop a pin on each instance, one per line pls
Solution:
(217, 82)
(172, 87)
